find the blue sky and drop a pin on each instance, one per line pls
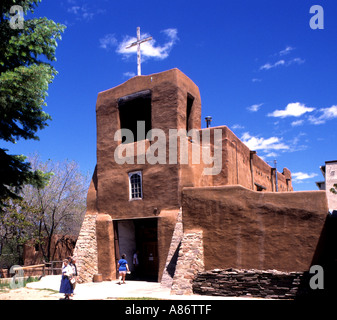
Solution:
(260, 68)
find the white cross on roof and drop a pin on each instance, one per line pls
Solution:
(138, 43)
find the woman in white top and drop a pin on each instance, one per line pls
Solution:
(66, 286)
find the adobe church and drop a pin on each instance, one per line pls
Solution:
(244, 214)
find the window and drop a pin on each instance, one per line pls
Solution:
(132, 108)
(135, 185)
(189, 105)
(260, 187)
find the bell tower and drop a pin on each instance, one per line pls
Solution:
(135, 199)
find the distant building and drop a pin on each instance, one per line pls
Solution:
(329, 172)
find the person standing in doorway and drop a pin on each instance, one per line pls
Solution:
(135, 262)
(123, 268)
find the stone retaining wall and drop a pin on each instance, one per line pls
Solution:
(255, 283)
(86, 250)
(190, 262)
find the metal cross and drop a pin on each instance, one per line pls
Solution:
(138, 43)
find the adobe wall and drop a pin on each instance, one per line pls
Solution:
(240, 166)
(169, 92)
(61, 247)
(255, 230)
(92, 195)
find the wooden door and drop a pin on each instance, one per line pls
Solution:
(150, 259)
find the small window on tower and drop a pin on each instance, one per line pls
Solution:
(189, 106)
(135, 185)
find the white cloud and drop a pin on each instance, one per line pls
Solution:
(237, 126)
(283, 62)
(286, 51)
(172, 33)
(268, 66)
(149, 49)
(298, 177)
(129, 74)
(297, 123)
(292, 110)
(254, 107)
(81, 12)
(296, 143)
(326, 114)
(256, 143)
(74, 9)
(295, 60)
(256, 80)
(108, 41)
(271, 155)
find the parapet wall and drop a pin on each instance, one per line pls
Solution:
(242, 166)
(245, 229)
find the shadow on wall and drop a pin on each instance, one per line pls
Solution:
(325, 256)
(171, 268)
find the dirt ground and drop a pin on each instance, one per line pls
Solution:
(29, 294)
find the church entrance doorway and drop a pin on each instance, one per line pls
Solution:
(138, 235)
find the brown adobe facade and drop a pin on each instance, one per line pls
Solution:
(148, 206)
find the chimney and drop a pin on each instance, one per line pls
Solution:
(208, 121)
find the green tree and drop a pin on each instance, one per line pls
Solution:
(14, 231)
(25, 74)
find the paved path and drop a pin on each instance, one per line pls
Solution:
(112, 290)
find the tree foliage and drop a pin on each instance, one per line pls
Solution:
(25, 74)
(14, 231)
(59, 206)
(56, 210)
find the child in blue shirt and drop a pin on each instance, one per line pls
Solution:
(123, 268)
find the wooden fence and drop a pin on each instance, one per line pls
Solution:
(51, 268)
(47, 268)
